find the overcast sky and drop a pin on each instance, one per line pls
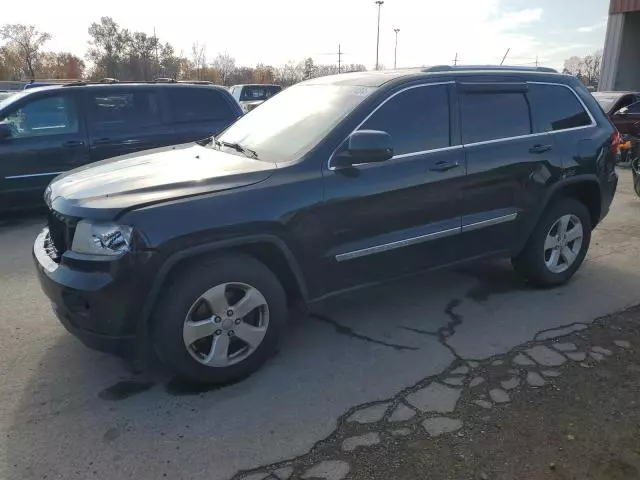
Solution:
(277, 31)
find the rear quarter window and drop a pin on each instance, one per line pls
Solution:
(198, 105)
(556, 107)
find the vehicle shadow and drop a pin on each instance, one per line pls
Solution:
(81, 414)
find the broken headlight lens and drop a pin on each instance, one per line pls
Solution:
(101, 239)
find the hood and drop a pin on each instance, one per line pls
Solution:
(104, 189)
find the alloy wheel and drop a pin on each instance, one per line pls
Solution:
(226, 324)
(563, 243)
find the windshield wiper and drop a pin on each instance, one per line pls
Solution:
(238, 148)
(205, 141)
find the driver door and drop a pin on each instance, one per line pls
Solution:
(383, 220)
(47, 138)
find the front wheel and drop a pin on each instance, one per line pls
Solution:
(220, 321)
(558, 245)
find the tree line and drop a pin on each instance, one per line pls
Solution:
(116, 52)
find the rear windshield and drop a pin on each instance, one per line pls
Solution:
(258, 92)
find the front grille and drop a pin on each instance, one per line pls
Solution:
(61, 230)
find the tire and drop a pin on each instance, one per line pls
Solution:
(532, 261)
(182, 308)
(635, 172)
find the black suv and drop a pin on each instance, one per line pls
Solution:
(48, 130)
(334, 183)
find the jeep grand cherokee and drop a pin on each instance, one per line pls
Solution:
(334, 183)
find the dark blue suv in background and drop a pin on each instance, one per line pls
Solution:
(46, 131)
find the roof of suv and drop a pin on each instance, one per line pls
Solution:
(127, 85)
(379, 78)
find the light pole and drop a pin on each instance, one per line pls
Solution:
(379, 3)
(395, 55)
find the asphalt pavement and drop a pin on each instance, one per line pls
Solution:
(67, 412)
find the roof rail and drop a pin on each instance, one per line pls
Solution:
(136, 82)
(452, 68)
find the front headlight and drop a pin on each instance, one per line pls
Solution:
(101, 238)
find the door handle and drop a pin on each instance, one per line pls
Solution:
(101, 141)
(443, 166)
(73, 144)
(540, 148)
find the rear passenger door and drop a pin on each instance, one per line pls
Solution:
(125, 120)
(508, 164)
(199, 112)
(557, 110)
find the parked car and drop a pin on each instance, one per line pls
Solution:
(250, 96)
(48, 130)
(624, 110)
(333, 184)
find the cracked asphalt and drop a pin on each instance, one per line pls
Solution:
(67, 412)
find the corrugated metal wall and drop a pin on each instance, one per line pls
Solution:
(621, 6)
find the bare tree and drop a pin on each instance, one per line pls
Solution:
(225, 64)
(592, 64)
(574, 66)
(586, 69)
(199, 58)
(27, 42)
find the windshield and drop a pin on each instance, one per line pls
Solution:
(294, 121)
(258, 92)
(606, 100)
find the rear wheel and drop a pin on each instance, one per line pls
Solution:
(220, 321)
(558, 245)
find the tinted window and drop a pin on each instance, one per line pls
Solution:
(123, 109)
(634, 109)
(491, 116)
(198, 104)
(52, 115)
(258, 92)
(417, 119)
(556, 108)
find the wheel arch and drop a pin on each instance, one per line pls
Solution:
(584, 188)
(268, 249)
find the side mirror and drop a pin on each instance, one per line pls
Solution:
(5, 131)
(365, 146)
(621, 113)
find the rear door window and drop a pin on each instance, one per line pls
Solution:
(123, 109)
(556, 107)
(489, 116)
(198, 105)
(417, 119)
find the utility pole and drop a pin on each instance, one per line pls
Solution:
(505, 56)
(536, 61)
(395, 54)
(455, 60)
(339, 58)
(379, 3)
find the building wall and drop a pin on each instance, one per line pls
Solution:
(611, 53)
(628, 75)
(622, 6)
